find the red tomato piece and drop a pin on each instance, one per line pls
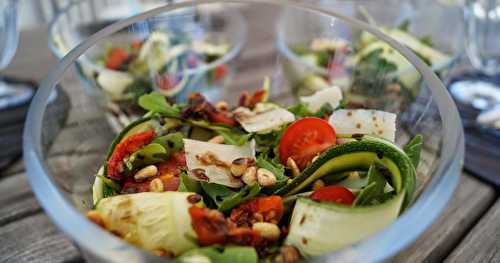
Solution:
(336, 194)
(267, 209)
(210, 226)
(126, 147)
(220, 71)
(116, 58)
(305, 139)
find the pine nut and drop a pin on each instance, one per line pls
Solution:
(267, 230)
(146, 172)
(240, 165)
(292, 165)
(265, 177)
(250, 175)
(156, 185)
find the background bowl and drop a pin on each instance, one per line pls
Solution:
(62, 172)
(166, 54)
(425, 19)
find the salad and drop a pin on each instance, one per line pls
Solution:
(257, 182)
(371, 71)
(159, 62)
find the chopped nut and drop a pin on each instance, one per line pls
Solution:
(250, 175)
(146, 172)
(267, 230)
(219, 139)
(209, 158)
(293, 166)
(265, 177)
(240, 165)
(194, 198)
(156, 185)
(95, 217)
(199, 173)
(318, 184)
(222, 105)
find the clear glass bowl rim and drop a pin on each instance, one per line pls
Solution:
(105, 246)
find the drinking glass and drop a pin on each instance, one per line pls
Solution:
(482, 93)
(8, 44)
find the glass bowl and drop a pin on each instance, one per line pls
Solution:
(188, 51)
(61, 171)
(409, 22)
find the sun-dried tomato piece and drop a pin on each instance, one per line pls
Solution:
(259, 209)
(245, 236)
(126, 147)
(210, 226)
(173, 165)
(200, 108)
(249, 101)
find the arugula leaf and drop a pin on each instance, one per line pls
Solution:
(413, 149)
(155, 102)
(373, 189)
(300, 110)
(267, 144)
(326, 109)
(404, 26)
(171, 142)
(225, 198)
(207, 125)
(187, 184)
(235, 137)
(367, 74)
(217, 254)
(426, 40)
(274, 167)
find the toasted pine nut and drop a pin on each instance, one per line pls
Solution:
(146, 172)
(250, 175)
(265, 177)
(318, 184)
(240, 165)
(222, 105)
(292, 165)
(156, 185)
(267, 230)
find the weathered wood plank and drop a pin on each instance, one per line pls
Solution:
(17, 200)
(16, 167)
(482, 244)
(471, 199)
(35, 239)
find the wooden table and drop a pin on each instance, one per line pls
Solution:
(467, 231)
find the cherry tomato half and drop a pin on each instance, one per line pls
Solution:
(336, 194)
(305, 139)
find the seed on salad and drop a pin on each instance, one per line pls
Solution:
(250, 175)
(222, 105)
(293, 166)
(318, 184)
(219, 139)
(146, 172)
(240, 165)
(156, 185)
(95, 217)
(265, 177)
(199, 173)
(267, 230)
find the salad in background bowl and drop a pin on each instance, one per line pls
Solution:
(175, 55)
(370, 71)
